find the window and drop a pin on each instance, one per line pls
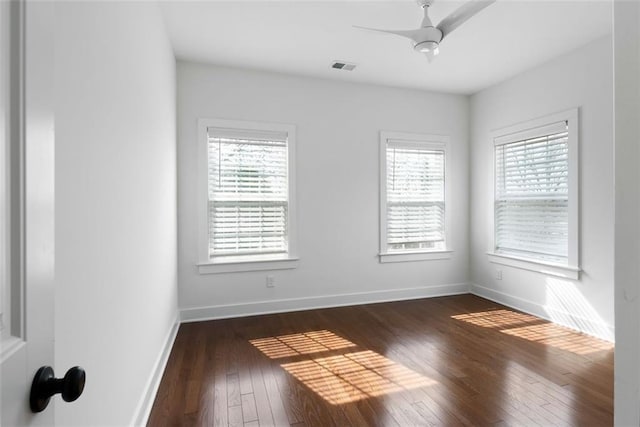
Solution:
(535, 203)
(250, 219)
(413, 205)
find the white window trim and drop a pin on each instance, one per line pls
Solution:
(246, 262)
(438, 142)
(548, 268)
(507, 134)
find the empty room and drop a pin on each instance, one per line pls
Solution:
(320, 213)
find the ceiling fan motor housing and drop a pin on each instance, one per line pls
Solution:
(427, 39)
(426, 46)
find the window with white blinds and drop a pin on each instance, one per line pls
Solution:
(248, 192)
(415, 197)
(413, 205)
(532, 194)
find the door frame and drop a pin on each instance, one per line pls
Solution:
(32, 203)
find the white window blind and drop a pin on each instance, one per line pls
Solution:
(415, 197)
(248, 201)
(532, 195)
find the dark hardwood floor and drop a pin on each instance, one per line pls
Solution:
(458, 360)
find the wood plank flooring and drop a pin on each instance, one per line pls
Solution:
(453, 361)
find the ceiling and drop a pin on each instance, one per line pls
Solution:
(304, 37)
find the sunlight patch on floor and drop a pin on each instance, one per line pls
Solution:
(496, 318)
(345, 373)
(560, 337)
(534, 329)
(303, 343)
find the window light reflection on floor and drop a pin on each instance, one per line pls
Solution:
(344, 372)
(560, 337)
(534, 329)
(496, 318)
(303, 343)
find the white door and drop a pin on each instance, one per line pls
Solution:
(27, 205)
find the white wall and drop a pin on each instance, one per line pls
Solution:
(627, 224)
(584, 79)
(116, 296)
(338, 128)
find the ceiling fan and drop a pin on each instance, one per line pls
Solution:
(427, 38)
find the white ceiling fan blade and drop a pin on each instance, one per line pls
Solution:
(411, 34)
(462, 14)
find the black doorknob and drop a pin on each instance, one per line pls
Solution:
(45, 385)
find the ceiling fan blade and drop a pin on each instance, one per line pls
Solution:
(462, 14)
(411, 34)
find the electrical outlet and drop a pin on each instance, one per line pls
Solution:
(271, 282)
(498, 274)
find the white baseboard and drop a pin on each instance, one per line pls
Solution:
(309, 303)
(141, 414)
(561, 317)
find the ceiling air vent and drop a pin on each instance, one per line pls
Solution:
(341, 65)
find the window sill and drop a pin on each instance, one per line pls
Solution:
(548, 268)
(413, 256)
(241, 264)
